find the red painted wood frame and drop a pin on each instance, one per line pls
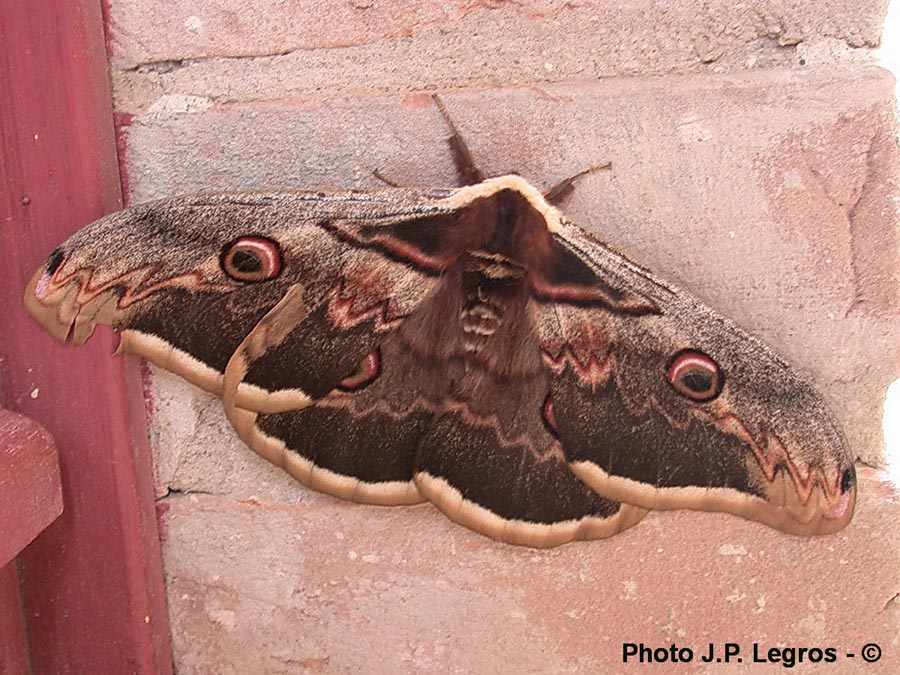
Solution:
(91, 583)
(30, 491)
(30, 499)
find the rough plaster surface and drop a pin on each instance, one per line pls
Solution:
(233, 50)
(768, 194)
(196, 451)
(332, 587)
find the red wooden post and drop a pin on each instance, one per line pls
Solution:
(30, 499)
(30, 494)
(13, 643)
(92, 582)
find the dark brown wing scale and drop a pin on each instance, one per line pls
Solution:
(469, 347)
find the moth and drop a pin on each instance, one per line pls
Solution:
(470, 347)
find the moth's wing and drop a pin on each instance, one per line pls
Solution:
(489, 463)
(670, 405)
(159, 274)
(422, 416)
(491, 459)
(347, 441)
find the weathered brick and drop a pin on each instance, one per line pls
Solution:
(235, 50)
(158, 30)
(345, 588)
(196, 450)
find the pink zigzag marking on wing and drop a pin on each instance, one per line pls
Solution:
(771, 453)
(135, 283)
(345, 315)
(595, 371)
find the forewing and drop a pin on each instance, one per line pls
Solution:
(184, 280)
(677, 407)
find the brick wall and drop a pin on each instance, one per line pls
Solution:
(754, 162)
